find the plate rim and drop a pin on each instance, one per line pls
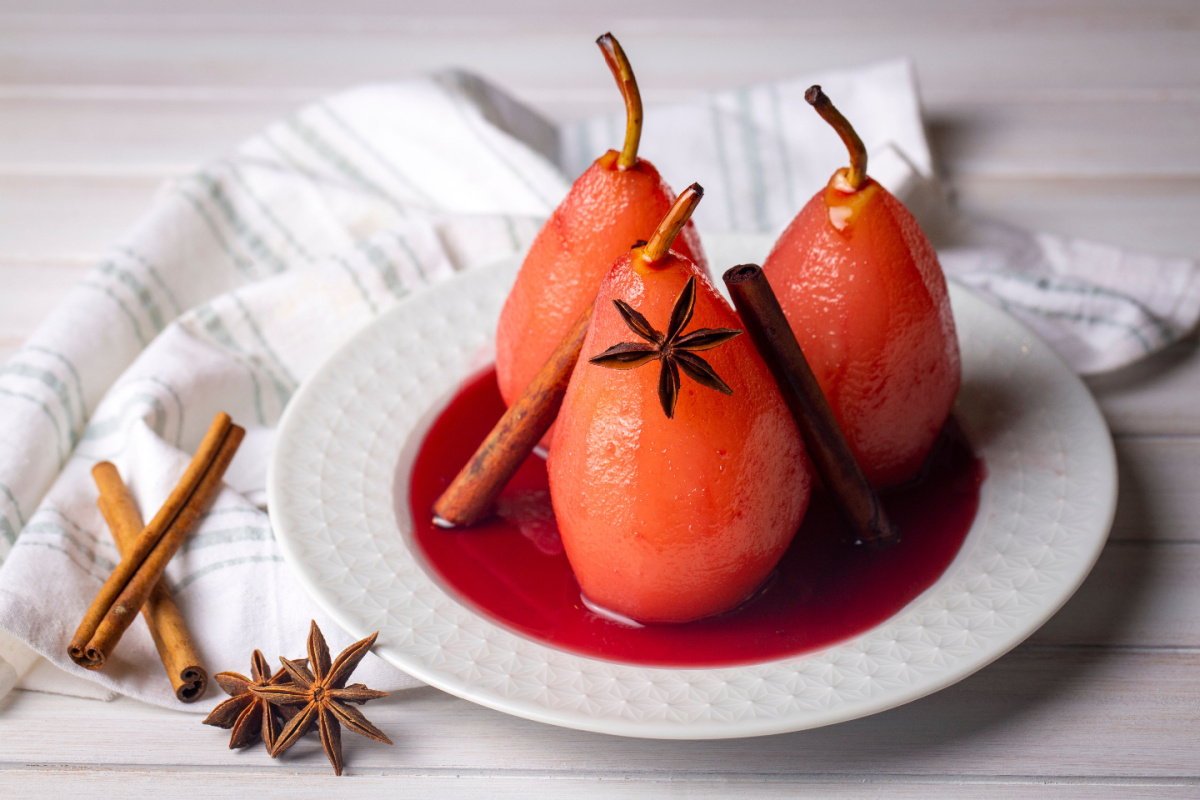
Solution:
(296, 559)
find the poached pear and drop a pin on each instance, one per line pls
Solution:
(676, 489)
(861, 287)
(615, 203)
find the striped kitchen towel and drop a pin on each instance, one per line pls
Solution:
(241, 279)
(236, 284)
(761, 153)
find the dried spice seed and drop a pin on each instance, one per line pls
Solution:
(251, 717)
(321, 692)
(676, 352)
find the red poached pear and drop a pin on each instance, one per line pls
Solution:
(616, 203)
(862, 289)
(676, 489)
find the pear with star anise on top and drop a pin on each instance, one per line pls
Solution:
(677, 475)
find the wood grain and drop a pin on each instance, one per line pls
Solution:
(426, 785)
(969, 55)
(1155, 396)
(68, 217)
(1038, 711)
(32, 289)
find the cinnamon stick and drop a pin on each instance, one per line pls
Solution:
(124, 593)
(479, 483)
(189, 679)
(773, 337)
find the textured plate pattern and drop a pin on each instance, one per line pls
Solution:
(347, 443)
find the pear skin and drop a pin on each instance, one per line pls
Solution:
(607, 212)
(671, 520)
(868, 304)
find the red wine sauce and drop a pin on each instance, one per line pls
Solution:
(512, 569)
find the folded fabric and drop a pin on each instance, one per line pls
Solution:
(760, 152)
(244, 277)
(237, 283)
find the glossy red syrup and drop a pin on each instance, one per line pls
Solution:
(512, 569)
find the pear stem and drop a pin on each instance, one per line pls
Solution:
(623, 72)
(857, 175)
(672, 224)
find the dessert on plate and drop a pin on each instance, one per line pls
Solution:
(677, 476)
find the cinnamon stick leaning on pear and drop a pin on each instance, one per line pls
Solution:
(773, 338)
(473, 491)
(471, 494)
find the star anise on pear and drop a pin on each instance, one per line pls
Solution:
(673, 349)
(250, 716)
(321, 690)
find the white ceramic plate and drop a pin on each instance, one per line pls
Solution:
(346, 447)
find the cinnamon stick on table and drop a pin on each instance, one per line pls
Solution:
(188, 677)
(772, 336)
(479, 483)
(124, 593)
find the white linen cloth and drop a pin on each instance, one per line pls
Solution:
(244, 277)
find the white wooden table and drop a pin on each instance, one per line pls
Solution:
(1071, 117)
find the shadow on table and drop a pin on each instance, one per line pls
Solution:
(1124, 600)
(1147, 374)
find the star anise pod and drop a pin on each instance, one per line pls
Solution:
(251, 717)
(322, 691)
(675, 351)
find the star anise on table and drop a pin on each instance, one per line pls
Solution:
(320, 688)
(675, 351)
(251, 717)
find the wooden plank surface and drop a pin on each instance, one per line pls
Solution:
(969, 55)
(1076, 118)
(148, 133)
(1040, 711)
(507, 784)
